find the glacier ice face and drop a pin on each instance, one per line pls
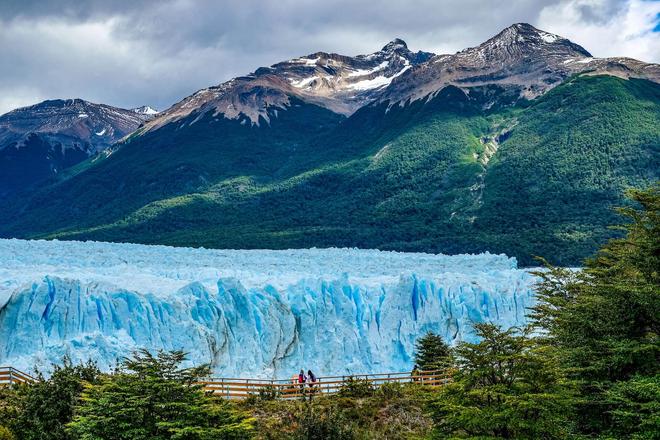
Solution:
(248, 313)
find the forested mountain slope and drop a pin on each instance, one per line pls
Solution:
(536, 178)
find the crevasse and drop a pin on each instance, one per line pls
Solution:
(247, 313)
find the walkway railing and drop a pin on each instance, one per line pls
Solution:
(12, 376)
(235, 388)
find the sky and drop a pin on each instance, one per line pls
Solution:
(130, 53)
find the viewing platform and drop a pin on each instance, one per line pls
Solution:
(241, 388)
(12, 376)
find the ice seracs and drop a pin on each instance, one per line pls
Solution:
(248, 313)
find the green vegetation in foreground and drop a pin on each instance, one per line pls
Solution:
(432, 353)
(591, 372)
(538, 178)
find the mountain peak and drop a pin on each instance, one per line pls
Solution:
(524, 35)
(395, 44)
(145, 110)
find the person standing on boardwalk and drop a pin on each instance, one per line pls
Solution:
(301, 380)
(415, 373)
(311, 378)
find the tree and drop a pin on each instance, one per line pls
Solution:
(431, 352)
(605, 323)
(506, 387)
(41, 410)
(5, 433)
(153, 397)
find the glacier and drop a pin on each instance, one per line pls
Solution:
(249, 313)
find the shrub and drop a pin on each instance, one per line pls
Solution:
(45, 407)
(390, 390)
(323, 424)
(269, 393)
(355, 387)
(5, 434)
(153, 397)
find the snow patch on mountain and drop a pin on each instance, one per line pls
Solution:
(362, 72)
(146, 110)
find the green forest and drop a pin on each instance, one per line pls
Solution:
(586, 367)
(464, 172)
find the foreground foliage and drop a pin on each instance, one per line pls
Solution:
(605, 324)
(391, 412)
(153, 397)
(41, 411)
(506, 387)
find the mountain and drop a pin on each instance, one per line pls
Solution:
(521, 58)
(40, 141)
(339, 83)
(521, 145)
(145, 110)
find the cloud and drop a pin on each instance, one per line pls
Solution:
(608, 28)
(131, 52)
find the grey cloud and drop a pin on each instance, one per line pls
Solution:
(129, 53)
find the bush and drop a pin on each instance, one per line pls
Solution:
(353, 387)
(269, 393)
(326, 424)
(45, 407)
(390, 390)
(153, 397)
(5, 434)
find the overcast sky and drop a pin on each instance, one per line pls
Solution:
(129, 53)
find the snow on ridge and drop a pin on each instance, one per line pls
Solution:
(260, 313)
(379, 81)
(363, 72)
(548, 37)
(304, 82)
(306, 61)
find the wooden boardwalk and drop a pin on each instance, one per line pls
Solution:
(240, 388)
(12, 376)
(235, 388)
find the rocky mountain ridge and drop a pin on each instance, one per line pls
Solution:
(525, 61)
(337, 82)
(74, 123)
(522, 58)
(38, 141)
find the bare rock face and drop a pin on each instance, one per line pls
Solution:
(39, 141)
(525, 60)
(520, 57)
(337, 82)
(73, 123)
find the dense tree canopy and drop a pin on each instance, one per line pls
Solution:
(42, 410)
(153, 398)
(506, 387)
(432, 353)
(604, 321)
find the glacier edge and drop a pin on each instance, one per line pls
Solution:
(267, 326)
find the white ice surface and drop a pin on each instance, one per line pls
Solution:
(249, 313)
